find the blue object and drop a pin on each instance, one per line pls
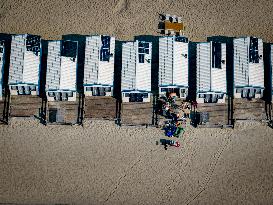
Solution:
(170, 130)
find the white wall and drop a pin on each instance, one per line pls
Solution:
(165, 76)
(245, 72)
(96, 71)
(53, 73)
(256, 70)
(135, 75)
(106, 69)
(218, 76)
(1, 62)
(24, 65)
(143, 71)
(31, 67)
(61, 71)
(241, 61)
(1, 67)
(92, 55)
(68, 74)
(203, 65)
(128, 72)
(180, 64)
(18, 48)
(271, 60)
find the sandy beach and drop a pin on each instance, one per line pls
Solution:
(101, 163)
(127, 18)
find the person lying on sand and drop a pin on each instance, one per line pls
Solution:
(171, 143)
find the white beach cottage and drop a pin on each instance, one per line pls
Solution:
(248, 67)
(270, 69)
(24, 71)
(211, 72)
(173, 65)
(2, 66)
(99, 65)
(61, 70)
(136, 71)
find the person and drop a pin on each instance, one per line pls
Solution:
(174, 117)
(170, 143)
(170, 129)
(194, 103)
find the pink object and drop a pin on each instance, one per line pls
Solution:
(177, 144)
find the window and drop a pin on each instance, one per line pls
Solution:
(216, 55)
(253, 50)
(108, 89)
(238, 90)
(258, 91)
(51, 94)
(141, 58)
(220, 96)
(145, 95)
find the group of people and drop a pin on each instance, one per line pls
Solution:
(177, 118)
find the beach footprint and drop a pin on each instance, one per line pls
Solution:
(122, 5)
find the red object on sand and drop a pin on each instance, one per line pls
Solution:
(177, 144)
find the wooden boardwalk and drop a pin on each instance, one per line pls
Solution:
(100, 107)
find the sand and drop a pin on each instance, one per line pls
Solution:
(127, 18)
(104, 164)
(101, 163)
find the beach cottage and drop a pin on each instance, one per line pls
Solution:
(2, 67)
(271, 64)
(210, 72)
(136, 71)
(99, 65)
(268, 62)
(24, 70)
(61, 70)
(248, 67)
(173, 65)
(95, 63)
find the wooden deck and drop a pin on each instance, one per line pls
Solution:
(130, 113)
(1, 110)
(249, 109)
(218, 113)
(67, 111)
(100, 107)
(137, 113)
(25, 105)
